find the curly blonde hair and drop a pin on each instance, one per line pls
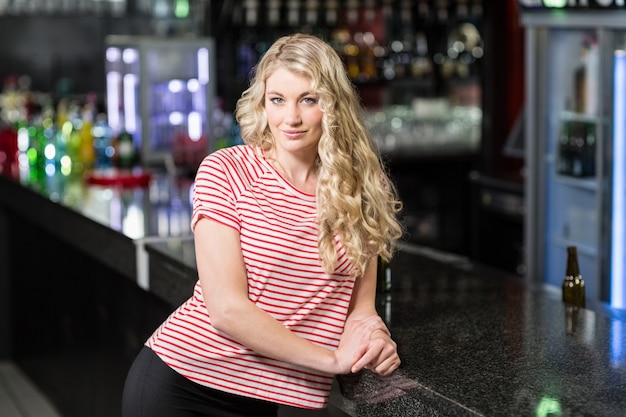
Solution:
(356, 201)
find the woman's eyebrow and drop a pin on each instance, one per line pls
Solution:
(304, 94)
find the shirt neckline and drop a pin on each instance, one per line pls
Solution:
(288, 185)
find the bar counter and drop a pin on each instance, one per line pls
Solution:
(474, 341)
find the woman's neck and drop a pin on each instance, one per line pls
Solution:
(301, 172)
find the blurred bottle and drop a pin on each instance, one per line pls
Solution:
(246, 54)
(577, 149)
(564, 159)
(383, 276)
(351, 54)
(15, 109)
(421, 64)
(35, 153)
(402, 42)
(63, 136)
(294, 13)
(87, 152)
(576, 144)
(71, 138)
(103, 148)
(592, 95)
(125, 155)
(51, 158)
(8, 151)
(589, 150)
(223, 130)
(573, 283)
(580, 82)
(368, 68)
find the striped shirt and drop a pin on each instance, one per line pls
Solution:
(278, 231)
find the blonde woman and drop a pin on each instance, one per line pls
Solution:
(287, 231)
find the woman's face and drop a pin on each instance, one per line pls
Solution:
(293, 113)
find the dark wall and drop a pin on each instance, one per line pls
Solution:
(5, 288)
(503, 87)
(54, 48)
(76, 325)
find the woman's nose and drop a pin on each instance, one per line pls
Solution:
(292, 116)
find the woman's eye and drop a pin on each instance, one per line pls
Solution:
(309, 100)
(276, 100)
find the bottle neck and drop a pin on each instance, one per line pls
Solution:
(572, 263)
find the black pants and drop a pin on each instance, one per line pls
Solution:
(153, 389)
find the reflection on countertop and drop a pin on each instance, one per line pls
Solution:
(158, 206)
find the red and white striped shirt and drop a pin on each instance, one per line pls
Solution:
(278, 229)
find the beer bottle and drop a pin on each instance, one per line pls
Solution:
(125, 152)
(573, 284)
(383, 276)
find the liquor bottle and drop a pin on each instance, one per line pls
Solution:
(294, 18)
(8, 150)
(103, 148)
(580, 82)
(589, 150)
(573, 283)
(577, 140)
(421, 64)
(125, 153)
(402, 44)
(366, 42)
(332, 13)
(383, 276)
(273, 12)
(62, 136)
(35, 153)
(564, 162)
(86, 149)
(246, 55)
(70, 131)
(592, 95)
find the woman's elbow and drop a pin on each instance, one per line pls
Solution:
(224, 316)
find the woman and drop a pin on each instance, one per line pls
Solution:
(287, 231)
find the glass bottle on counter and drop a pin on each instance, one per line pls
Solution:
(86, 151)
(125, 153)
(383, 276)
(102, 145)
(573, 284)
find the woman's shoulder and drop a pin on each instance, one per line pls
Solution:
(235, 153)
(238, 158)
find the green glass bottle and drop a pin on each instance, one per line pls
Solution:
(383, 278)
(125, 152)
(573, 284)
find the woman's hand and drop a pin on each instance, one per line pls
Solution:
(367, 343)
(379, 355)
(366, 340)
(356, 334)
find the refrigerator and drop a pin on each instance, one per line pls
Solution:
(162, 91)
(575, 133)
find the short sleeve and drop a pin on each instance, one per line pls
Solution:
(214, 193)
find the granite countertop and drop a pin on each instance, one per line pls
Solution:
(474, 341)
(477, 342)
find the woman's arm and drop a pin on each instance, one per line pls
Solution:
(378, 351)
(224, 284)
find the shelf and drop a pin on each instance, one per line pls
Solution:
(582, 248)
(589, 184)
(579, 117)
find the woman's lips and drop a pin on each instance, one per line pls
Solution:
(292, 134)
